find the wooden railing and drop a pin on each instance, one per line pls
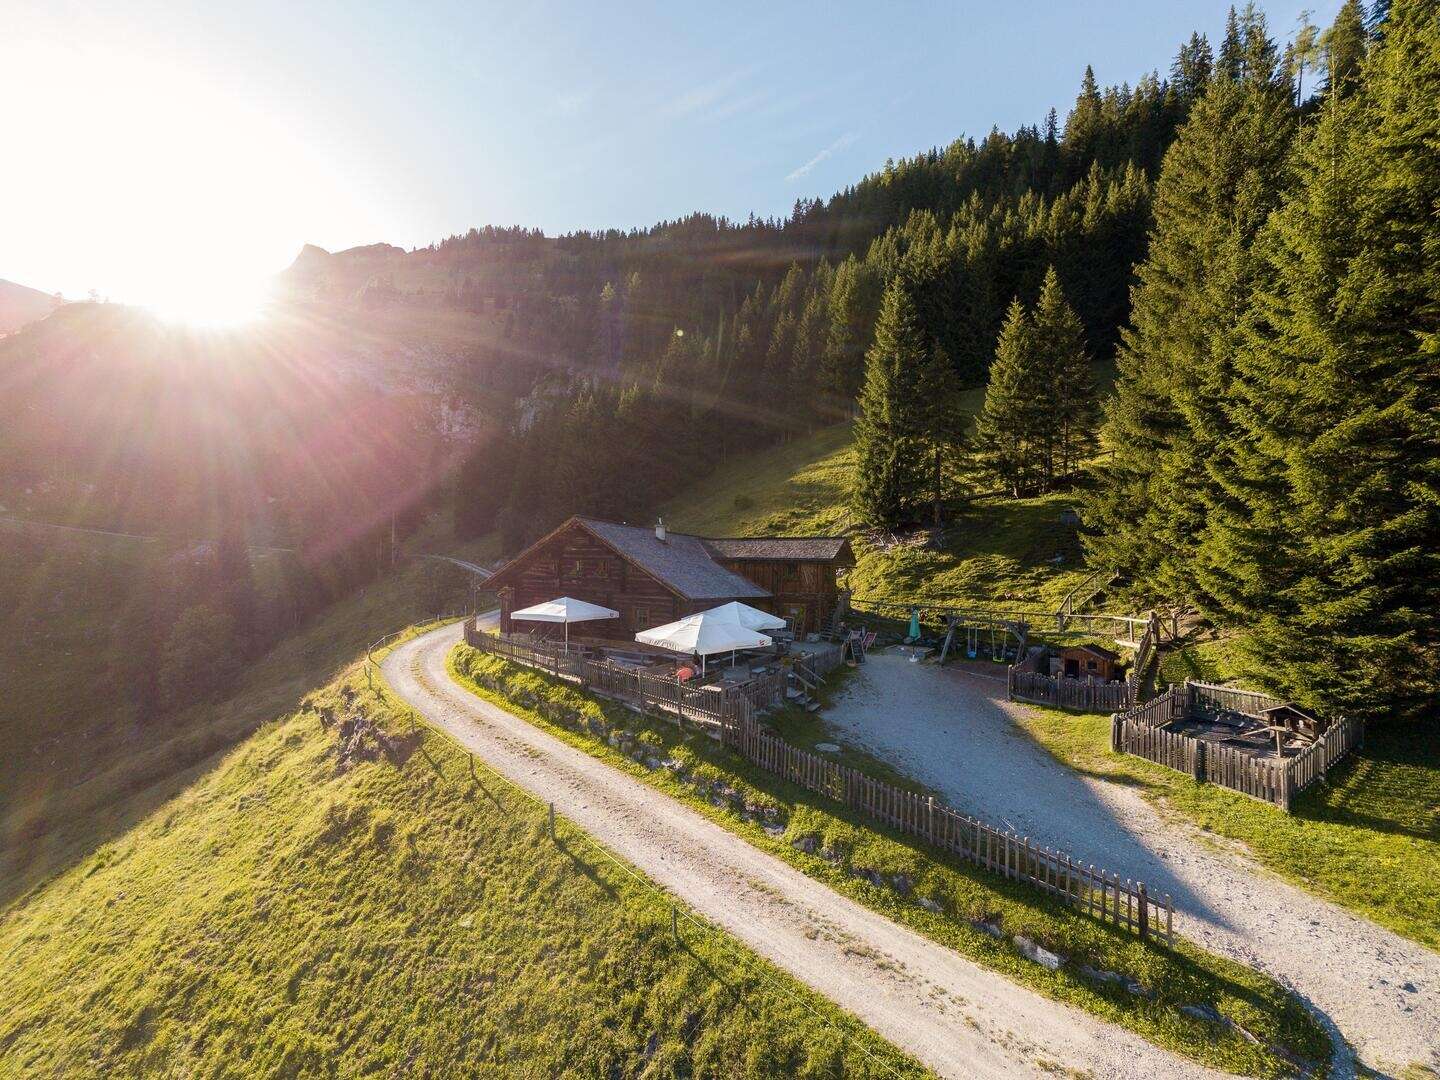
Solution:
(1167, 748)
(1157, 712)
(1092, 889)
(706, 706)
(1091, 586)
(1140, 731)
(1142, 678)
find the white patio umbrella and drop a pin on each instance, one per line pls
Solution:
(747, 616)
(564, 610)
(705, 634)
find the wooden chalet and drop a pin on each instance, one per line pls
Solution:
(653, 576)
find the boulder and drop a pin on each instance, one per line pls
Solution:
(1038, 953)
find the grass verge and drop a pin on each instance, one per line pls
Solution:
(285, 915)
(1368, 839)
(893, 875)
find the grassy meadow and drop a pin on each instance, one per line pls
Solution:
(282, 916)
(79, 765)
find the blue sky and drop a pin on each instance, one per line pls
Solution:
(170, 130)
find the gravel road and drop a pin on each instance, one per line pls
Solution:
(954, 1016)
(952, 729)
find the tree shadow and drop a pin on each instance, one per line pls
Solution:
(950, 733)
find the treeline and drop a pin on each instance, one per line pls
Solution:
(1276, 426)
(702, 337)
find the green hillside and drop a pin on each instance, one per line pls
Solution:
(81, 764)
(287, 915)
(993, 549)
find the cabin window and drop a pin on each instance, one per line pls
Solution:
(1090, 665)
(642, 618)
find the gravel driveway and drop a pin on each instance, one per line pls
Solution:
(952, 729)
(956, 1017)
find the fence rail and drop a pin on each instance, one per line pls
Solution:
(1095, 890)
(1141, 731)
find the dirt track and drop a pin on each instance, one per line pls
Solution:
(954, 1016)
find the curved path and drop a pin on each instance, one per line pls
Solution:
(952, 1015)
(952, 729)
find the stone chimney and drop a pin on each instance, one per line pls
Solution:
(660, 529)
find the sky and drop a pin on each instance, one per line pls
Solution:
(169, 149)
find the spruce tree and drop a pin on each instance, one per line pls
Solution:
(1330, 553)
(1010, 430)
(1064, 368)
(1166, 425)
(887, 478)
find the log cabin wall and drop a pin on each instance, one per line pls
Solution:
(803, 591)
(574, 563)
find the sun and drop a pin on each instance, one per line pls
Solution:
(209, 301)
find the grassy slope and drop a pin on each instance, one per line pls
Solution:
(89, 771)
(1370, 841)
(1185, 975)
(276, 918)
(995, 549)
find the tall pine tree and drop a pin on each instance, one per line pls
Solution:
(1011, 430)
(1166, 424)
(1328, 550)
(1064, 370)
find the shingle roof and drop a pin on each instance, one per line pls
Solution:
(788, 548)
(680, 561)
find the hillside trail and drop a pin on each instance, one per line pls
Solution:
(953, 730)
(952, 1015)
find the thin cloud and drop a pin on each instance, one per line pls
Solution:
(834, 148)
(707, 95)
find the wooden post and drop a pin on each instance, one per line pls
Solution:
(1144, 911)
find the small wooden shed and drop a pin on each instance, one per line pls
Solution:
(1089, 661)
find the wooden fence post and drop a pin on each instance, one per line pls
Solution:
(1115, 723)
(1144, 911)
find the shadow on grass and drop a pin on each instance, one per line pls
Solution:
(588, 869)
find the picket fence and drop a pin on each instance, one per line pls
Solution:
(1092, 889)
(1083, 696)
(1140, 731)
